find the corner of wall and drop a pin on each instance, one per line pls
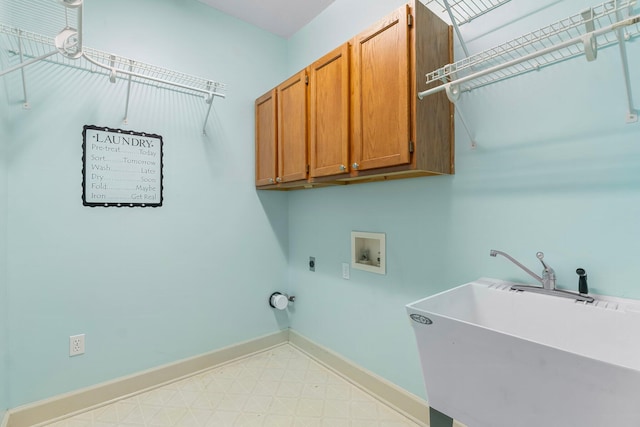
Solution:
(4, 137)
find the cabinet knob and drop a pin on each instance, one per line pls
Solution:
(343, 168)
(355, 166)
(278, 179)
(270, 180)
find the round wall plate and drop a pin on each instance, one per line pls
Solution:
(67, 43)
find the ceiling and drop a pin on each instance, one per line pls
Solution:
(281, 17)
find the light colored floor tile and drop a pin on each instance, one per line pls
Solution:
(310, 407)
(281, 387)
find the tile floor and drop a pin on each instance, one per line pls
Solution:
(281, 387)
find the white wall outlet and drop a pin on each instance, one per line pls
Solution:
(345, 270)
(76, 345)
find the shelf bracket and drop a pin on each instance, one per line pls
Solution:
(209, 100)
(622, 36)
(126, 106)
(25, 105)
(589, 40)
(587, 16)
(456, 27)
(113, 75)
(473, 143)
(632, 113)
(452, 91)
(590, 47)
(27, 62)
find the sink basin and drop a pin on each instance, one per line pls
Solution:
(494, 357)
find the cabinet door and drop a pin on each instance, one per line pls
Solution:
(292, 129)
(381, 99)
(329, 113)
(266, 139)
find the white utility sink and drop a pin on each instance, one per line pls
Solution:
(494, 357)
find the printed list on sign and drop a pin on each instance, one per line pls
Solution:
(122, 168)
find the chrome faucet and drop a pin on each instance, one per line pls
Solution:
(548, 274)
(548, 279)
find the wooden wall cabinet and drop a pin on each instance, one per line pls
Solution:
(266, 139)
(364, 120)
(395, 135)
(381, 94)
(292, 129)
(329, 114)
(282, 134)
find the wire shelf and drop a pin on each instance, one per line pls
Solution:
(33, 45)
(557, 42)
(465, 11)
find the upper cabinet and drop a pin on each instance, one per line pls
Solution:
(381, 94)
(292, 129)
(266, 139)
(329, 114)
(363, 120)
(282, 134)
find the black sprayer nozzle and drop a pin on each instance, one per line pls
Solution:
(583, 288)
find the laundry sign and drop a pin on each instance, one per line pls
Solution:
(121, 168)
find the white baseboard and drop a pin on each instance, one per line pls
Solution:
(401, 400)
(62, 406)
(101, 394)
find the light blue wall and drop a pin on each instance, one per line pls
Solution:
(556, 170)
(146, 286)
(4, 137)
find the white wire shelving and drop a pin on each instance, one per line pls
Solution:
(607, 24)
(66, 49)
(464, 11)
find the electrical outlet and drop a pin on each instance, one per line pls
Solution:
(76, 345)
(345, 270)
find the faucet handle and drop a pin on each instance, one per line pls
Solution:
(540, 256)
(548, 274)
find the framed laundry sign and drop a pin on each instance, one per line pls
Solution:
(121, 168)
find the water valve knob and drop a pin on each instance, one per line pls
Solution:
(278, 301)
